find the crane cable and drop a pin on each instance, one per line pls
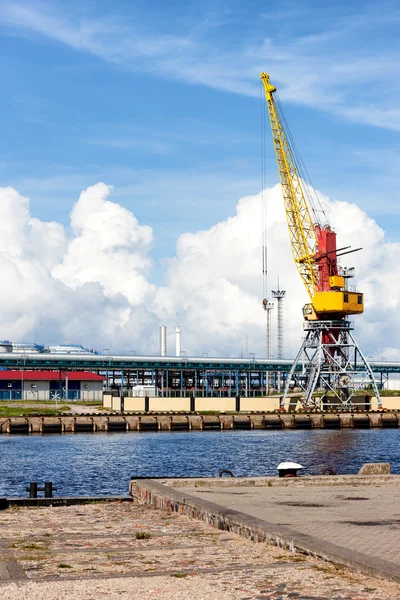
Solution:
(264, 253)
(308, 188)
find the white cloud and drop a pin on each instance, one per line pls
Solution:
(108, 247)
(94, 281)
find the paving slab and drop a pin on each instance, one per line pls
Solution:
(356, 524)
(126, 550)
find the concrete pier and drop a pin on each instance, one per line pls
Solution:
(346, 519)
(135, 422)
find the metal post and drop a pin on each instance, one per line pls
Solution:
(32, 489)
(48, 489)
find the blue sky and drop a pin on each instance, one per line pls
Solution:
(162, 100)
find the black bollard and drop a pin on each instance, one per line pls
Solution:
(32, 489)
(4, 503)
(48, 489)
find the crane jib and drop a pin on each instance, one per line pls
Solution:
(313, 244)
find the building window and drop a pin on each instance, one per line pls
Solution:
(345, 297)
(359, 299)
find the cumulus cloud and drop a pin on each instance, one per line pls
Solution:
(91, 280)
(108, 246)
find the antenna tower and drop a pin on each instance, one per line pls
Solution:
(279, 296)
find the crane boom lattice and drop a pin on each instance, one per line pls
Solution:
(301, 230)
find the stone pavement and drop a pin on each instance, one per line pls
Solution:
(363, 520)
(122, 550)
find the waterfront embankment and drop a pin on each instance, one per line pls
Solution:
(349, 520)
(136, 422)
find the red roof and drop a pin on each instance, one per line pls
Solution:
(49, 376)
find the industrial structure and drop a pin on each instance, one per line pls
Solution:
(163, 340)
(279, 295)
(31, 347)
(332, 357)
(178, 341)
(180, 376)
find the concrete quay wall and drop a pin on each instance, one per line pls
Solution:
(86, 423)
(231, 404)
(255, 519)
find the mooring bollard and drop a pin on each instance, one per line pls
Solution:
(32, 489)
(227, 471)
(48, 489)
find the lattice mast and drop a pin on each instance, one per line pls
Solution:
(279, 295)
(333, 358)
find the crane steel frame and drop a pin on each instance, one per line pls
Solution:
(329, 350)
(333, 366)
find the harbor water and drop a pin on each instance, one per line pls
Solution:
(102, 464)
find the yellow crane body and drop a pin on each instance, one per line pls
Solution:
(338, 302)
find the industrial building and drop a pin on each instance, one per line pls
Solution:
(50, 385)
(33, 348)
(172, 375)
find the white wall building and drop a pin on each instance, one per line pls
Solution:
(50, 385)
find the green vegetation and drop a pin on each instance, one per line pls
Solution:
(32, 546)
(24, 411)
(142, 535)
(64, 566)
(180, 575)
(91, 402)
(27, 408)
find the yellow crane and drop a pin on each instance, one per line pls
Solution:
(333, 361)
(313, 245)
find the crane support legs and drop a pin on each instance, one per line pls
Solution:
(330, 369)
